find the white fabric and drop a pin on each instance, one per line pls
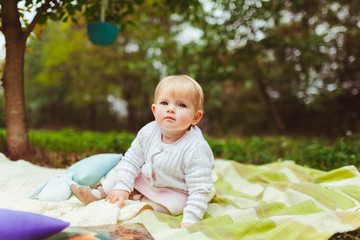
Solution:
(21, 177)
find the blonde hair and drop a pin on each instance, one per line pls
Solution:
(185, 85)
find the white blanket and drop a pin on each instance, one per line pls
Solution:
(19, 178)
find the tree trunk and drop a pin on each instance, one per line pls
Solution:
(131, 118)
(274, 113)
(13, 82)
(93, 116)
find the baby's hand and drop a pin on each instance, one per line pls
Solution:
(185, 225)
(118, 195)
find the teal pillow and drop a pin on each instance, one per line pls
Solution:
(19, 225)
(90, 170)
(55, 190)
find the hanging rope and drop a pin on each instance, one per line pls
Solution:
(102, 33)
(104, 5)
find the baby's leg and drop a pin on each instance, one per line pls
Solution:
(107, 183)
(161, 196)
(156, 206)
(137, 196)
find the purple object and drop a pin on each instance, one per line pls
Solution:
(21, 225)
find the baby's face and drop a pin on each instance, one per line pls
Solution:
(173, 111)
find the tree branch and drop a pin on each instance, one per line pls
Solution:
(44, 7)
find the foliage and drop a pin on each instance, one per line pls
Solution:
(65, 147)
(68, 74)
(68, 140)
(116, 12)
(2, 109)
(17, 29)
(60, 146)
(302, 52)
(279, 44)
(353, 235)
(313, 152)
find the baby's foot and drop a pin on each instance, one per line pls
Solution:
(85, 195)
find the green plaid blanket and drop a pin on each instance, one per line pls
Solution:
(280, 200)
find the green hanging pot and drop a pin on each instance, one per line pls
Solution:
(102, 33)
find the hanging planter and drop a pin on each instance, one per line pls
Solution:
(102, 33)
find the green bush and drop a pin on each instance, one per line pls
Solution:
(63, 148)
(2, 140)
(71, 141)
(316, 153)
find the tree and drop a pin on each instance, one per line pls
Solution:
(15, 37)
(301, 54)
(65, 72)
(17, 30)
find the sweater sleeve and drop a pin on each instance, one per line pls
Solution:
(199, 182)
(130, 165)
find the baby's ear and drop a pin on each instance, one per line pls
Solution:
(197, 117)
(153, 109)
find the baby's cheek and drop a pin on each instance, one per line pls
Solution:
(159, 114)
(185, 119)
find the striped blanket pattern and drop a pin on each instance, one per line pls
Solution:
(280, 200)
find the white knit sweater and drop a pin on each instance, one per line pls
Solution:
(184, 165)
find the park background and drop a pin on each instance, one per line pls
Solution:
(281, 79)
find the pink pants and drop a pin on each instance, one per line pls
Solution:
(173, 200)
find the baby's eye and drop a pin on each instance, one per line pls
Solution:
(182, 105)
(163, 103)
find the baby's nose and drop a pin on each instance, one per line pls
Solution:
(171, 108)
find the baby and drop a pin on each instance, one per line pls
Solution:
(169, 162)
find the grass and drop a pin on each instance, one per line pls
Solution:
(353, 235)
(316, 153)
(63, 148)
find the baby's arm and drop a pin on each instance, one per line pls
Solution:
(118, 195)
(198, 169)
(127, 170)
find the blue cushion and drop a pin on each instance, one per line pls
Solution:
(90, 170)
(56, 189)
(18, 225)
